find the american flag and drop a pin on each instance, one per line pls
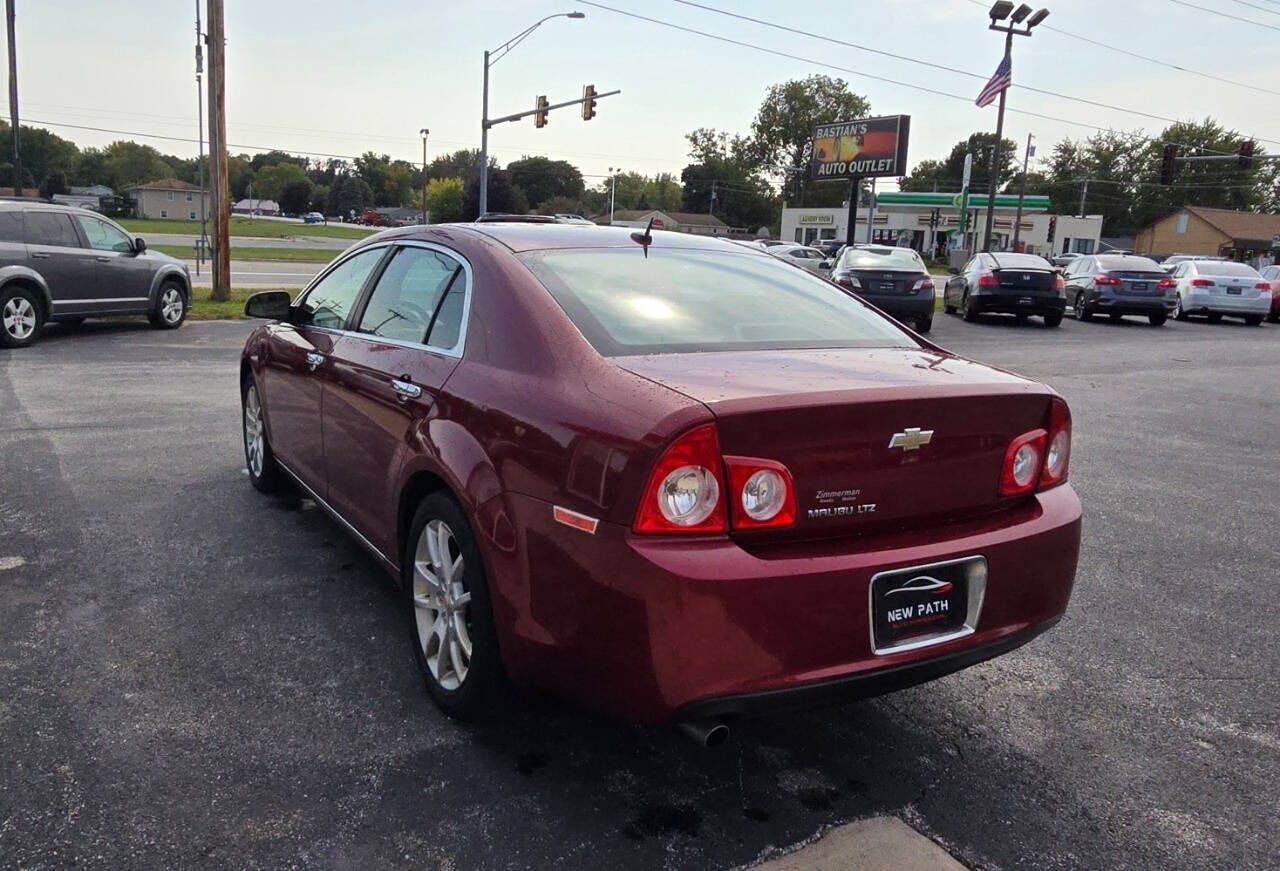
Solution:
(1002, 79)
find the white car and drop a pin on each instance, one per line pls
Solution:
(1220, 287)
(801, 255)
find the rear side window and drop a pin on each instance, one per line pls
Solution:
(408, 295)
(1237, 270)
(329, 302)
(11, 226)
(51, 228)
(679, 300)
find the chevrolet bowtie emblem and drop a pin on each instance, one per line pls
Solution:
(911, 439)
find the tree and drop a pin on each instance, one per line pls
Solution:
(270, 181)
(927, 175)
(504, 195)
(240, 175)
(349, 193)
(559, 206)
(54, 183)
(295, 198)
(743, 197)
(128, 163)
(458, 164)
(42, 152)
(319, 198)
(445, 199)
(542, 179)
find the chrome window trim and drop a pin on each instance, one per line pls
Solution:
(458, 348)
(977, 593)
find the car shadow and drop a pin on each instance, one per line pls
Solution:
(54, 332)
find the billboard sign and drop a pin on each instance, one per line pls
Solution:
(869, 148)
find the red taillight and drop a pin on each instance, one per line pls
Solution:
(1109, 280)
(1057, 456)
(923, 284)
(1263, 285)
(1201, 282)
(987, 281)
(1059, 284)
(1167, 282)
(684, 490)
(762, 493)
(1022, 462)
(848, 281)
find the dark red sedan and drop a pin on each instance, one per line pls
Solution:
(665, 476)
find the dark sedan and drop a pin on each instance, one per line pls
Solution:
(1120, 284)
(894, 279)
(1019, 284)
(660, 475)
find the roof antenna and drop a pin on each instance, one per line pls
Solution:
(645, 238)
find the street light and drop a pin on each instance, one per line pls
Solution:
(491, 58)
(1001, 10)
(613, 187)
(424, 131)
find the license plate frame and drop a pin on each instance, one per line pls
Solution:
(966, 582)
(1235, 291)
(888, 287)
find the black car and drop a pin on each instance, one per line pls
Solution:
(893, 279)
(1120, 284)
(59, 263)
(1019, 284)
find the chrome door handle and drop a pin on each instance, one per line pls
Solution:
(314, 360)
(405, 389)
(103, 259)
(40, 255)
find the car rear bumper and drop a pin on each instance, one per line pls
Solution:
(650, 628)
(1217, 303)
(1134, 305)
(904, 307)
(1012, 302)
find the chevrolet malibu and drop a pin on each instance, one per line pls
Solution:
(664, 477)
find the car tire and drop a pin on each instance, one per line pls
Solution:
(21, 317)
(1081, 308)
(1215, 317)
(1157, 320)
(1253, 320)
(1053, 319)
(1115, 317)
(171, 306)
(264, 471)
(947, 309)
(968, 312)
(1274, 318)
(447, 595)
(1179, 313)
(925, 325)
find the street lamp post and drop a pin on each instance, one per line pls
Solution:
(491, 58)
(613, 189)
(1022, 190)
(424, 131)
(1000, 10)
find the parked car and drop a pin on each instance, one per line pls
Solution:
(800, 255)
(829, 247)
(1117, 285)
(666, 477)
(1065, 258)
(894, 279)
(64, 264)
(1271, 275)
(1019, 284)
(1220, 287)
(1173, 260)
(313, 218)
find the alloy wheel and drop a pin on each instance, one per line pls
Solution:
(442, 605)
(171, 305)
(19, 318)
(253, 431)
(1078, 306)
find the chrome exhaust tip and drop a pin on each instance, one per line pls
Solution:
(707, 733)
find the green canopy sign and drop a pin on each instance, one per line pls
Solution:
(949, 200)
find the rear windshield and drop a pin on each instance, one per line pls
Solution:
(1129, 264)
(1207, 267)
(679, 301)
(881, 258)
(1020, 261)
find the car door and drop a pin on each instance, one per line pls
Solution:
(55, 251)
(955, 285)
(386, 375)
(296, 364)
(123, 277)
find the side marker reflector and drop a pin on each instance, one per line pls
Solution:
(574, 519)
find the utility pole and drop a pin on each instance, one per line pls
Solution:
(219, 195)
(424, 131)
(1022, 191)
(613, 190)
(871, 209)
(1084, 191)
(711, 209)
(13, 98)
(204, 236)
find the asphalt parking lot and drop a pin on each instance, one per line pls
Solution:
(192, 674)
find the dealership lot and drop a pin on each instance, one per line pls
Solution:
(193, 674)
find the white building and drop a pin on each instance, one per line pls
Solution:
(930, 223)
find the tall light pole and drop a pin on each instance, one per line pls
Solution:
(424, 131)
(1000, 10)
(491, 58)
(613, 189)
(1022, 190)
(204, 239)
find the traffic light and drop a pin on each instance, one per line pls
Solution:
(589, 102)
(1166, 163)
(540, 116)
(1246, 154)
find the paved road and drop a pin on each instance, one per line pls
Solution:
(267, 273)
(192, 674)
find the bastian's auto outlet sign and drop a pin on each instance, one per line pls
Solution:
(866, 148)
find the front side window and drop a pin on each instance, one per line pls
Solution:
(330, 300)
(406, 300)
(51, 228)
(102, 236)
(678, 300)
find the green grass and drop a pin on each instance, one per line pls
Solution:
(307, 255)
(242, 226)
(205, 309)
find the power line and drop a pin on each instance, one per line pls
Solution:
(1259, 8)
(1224, 14)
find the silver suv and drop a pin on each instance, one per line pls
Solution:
(59, 263)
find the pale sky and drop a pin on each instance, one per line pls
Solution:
(345, 77)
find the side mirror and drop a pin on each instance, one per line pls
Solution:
(825, 264)
(953, 270)
(139, 245)
(270, 304)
